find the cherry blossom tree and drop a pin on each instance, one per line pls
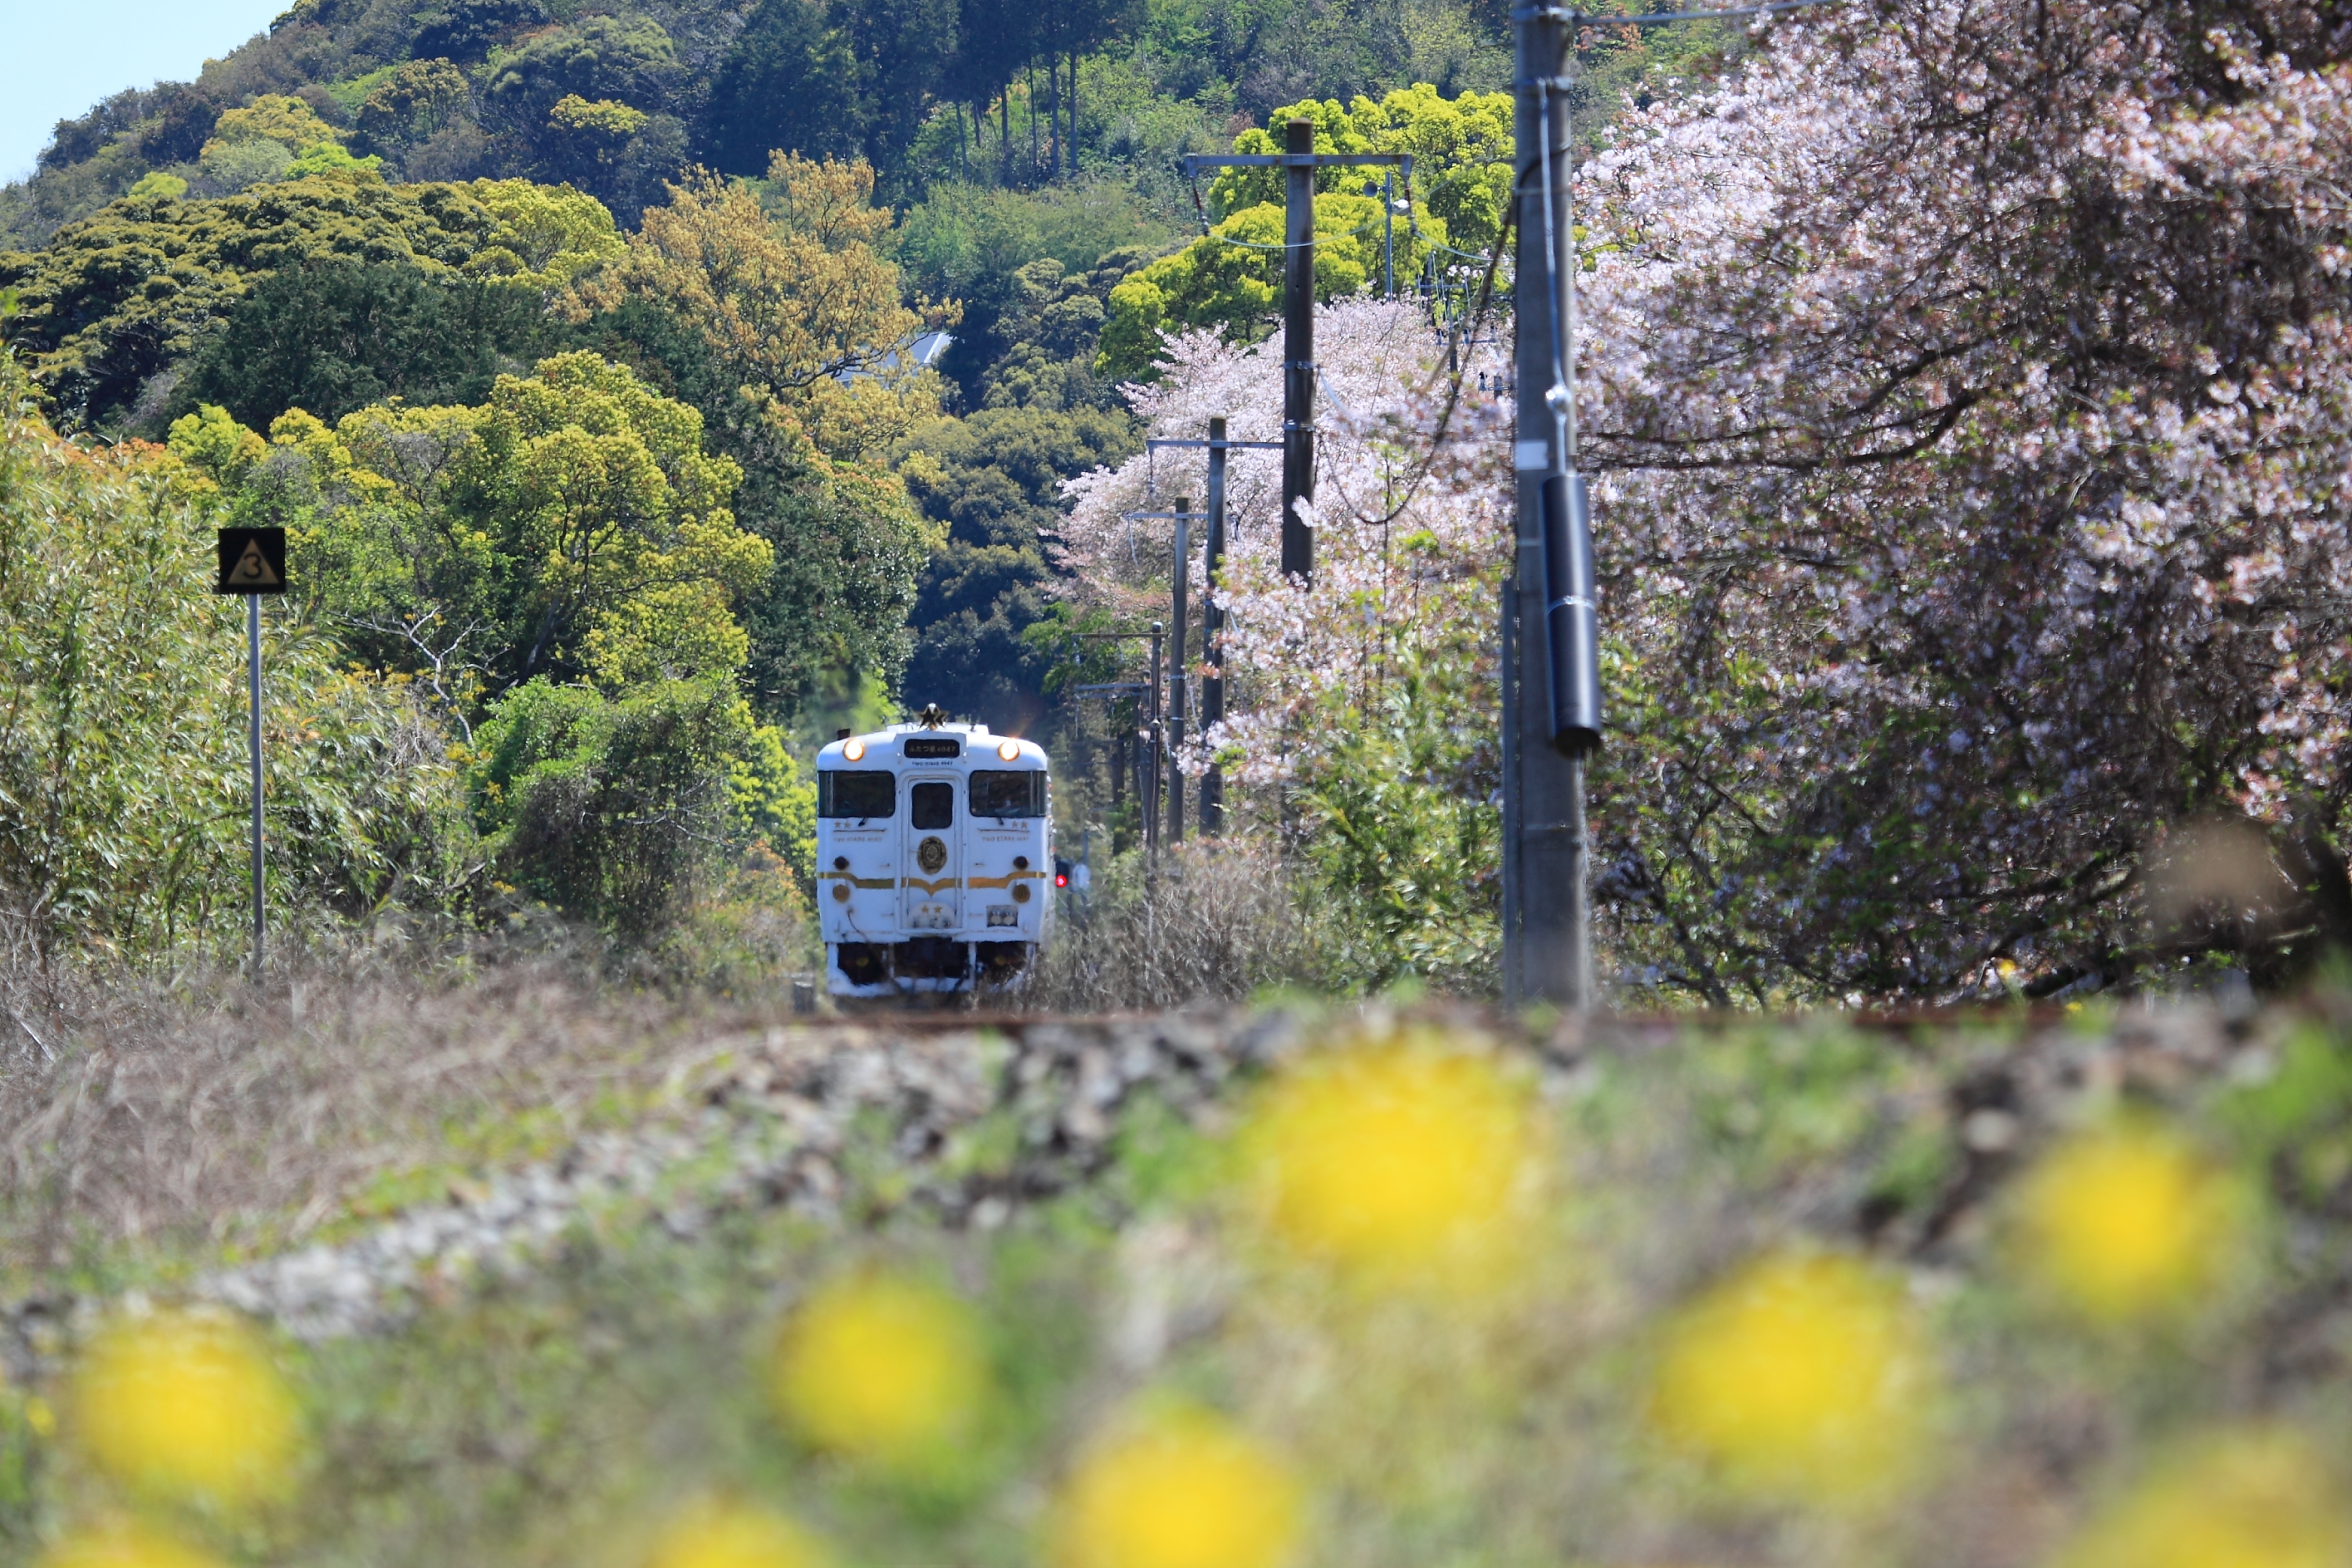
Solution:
(1370, 697)
(1970, 383)
(1969, 388)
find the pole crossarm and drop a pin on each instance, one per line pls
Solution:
(1221, 446)
(1196, 162)
(1113, 688)
(1150, 517)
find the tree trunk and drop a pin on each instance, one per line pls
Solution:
(1029, 76)
(1005, 134)
(964, 159)
(1074, 112)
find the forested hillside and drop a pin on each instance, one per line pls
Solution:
(1968, 511)
(575, 344)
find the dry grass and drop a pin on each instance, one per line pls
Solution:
(202, 1112)
(1219, 923)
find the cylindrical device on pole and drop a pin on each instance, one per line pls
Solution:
(1552, 963)
(1298, 347)
(1572, 624)
(253, 739)
(1178, 583)
(1213, 621)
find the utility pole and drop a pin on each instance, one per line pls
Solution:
(1298, 347)
(1154, 751)
(1299, 160)
(1550, 879)
(1213, 618)
(1178, 583)
(1213, 622)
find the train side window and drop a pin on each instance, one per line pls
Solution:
(931, 805)
(999, 793)
(841, 793)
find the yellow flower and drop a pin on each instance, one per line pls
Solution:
(1182, 1490)
(122, 1547)
(187, 1405)
(713, 1534)
(2130, 1221)
(1400, 1165)
(880, 1370)
(1802, 1377)
(2248, 1499)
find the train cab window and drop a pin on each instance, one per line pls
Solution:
(998, 793)
(870, 793)
(931, 805)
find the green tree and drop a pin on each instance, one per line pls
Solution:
(1461, 150)
(122, 712)
(334, 337)
(623, 810)
(419, 101)
(993, 483)
(120, 298)
(789, 83)
(1231, 278)
(572, 526)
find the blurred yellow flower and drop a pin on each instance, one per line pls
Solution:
(1803, 1377)
(1184, 1490)
(714, 1534)
(1400, 1164)
(2130, 1221)
(188, 1405)
(2248, 1499)
(122, 1547)
(879, 1369)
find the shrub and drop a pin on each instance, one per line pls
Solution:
(122, 723)
(623, 810)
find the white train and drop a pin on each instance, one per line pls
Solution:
(934, 859)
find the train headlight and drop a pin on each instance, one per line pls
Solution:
(852, 751)
(840, 892)
(1008, 749)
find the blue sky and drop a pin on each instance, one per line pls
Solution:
(60, 57)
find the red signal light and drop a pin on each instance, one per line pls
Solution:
(1061, 873)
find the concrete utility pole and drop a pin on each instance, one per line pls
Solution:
(1299, 160)
(1549, 954)
(1212, 623)
(1297, 347)
(1156, 751)
(1177, 681)
(1213, 618)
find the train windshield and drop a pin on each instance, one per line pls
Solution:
(866, 794)
(933, 806)
(998, 793)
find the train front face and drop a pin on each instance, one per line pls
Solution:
(935, 859)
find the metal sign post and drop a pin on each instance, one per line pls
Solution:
(1299, 160)
(252, 562)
